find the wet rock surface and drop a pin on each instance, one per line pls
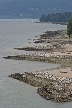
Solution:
(35, 49)
(48, 86)
(57, 59)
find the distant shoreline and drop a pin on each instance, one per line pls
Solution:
(62, 23)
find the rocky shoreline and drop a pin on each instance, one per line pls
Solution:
(35, 48)
(49, 86)
(56, 59)
(51, 36)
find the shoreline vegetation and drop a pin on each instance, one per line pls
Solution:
(51, 84)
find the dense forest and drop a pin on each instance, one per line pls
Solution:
(56, 17)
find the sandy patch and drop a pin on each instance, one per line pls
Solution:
(62, 72)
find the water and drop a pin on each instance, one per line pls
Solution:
(13, 93)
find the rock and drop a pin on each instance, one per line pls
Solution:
(47, 88)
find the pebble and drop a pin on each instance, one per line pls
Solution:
(52, 77)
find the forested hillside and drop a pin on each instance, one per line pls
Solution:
(32, 8)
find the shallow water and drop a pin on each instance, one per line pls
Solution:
(13, 93)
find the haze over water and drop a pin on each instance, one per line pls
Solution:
(13, 93)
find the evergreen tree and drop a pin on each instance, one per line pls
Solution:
(69, 27)
(56, 17)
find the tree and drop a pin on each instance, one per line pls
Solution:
(42, 19)
(69, 27)
(56, 17)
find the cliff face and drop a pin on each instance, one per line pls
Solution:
(47, 88)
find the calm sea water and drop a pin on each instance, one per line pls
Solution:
(13, 93)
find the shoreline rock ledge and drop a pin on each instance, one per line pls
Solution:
(53, 88)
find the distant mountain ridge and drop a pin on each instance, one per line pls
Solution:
(32, 8)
